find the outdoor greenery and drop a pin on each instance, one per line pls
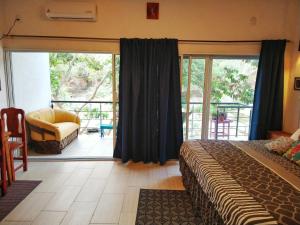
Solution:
(88, 77)
(82, 76)
(233, 80)
(79, 76)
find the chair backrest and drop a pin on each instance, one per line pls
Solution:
(13, 121)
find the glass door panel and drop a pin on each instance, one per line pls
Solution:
(192, 96)
(184, 90)
(232, 92)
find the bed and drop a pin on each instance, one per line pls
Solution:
(240, 182)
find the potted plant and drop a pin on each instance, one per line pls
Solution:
(221, 116)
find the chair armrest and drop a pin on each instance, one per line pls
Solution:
(42, 126)
(65, 116)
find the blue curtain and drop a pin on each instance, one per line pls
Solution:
(150, 120)
(268, 98)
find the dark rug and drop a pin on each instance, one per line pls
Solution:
(15, 194)
(165, 207)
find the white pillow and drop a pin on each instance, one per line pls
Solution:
(295, 136)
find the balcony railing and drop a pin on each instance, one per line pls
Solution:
(92, 113)
(235, 127)
(236, 123)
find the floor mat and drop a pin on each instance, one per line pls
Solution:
(15, 194)
(165, 207)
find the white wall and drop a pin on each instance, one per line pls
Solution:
(188, 19)
(31, 80)
(3, 102)
(292, 97)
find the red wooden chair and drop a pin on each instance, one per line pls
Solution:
(13, 120)
(3, 182)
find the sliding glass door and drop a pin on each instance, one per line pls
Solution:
(217, 96)
(192, 96)
(83, 83)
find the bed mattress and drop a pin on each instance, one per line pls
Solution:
(240, 183)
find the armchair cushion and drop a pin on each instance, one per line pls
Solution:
(65, 116)
(66, 128)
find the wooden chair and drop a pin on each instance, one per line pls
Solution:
(13, 121)
(3, 145)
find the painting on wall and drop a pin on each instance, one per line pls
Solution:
(152, 10)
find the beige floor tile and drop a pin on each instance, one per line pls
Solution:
(52, 184)
(87, 164)
(79, 186)
(173, 170)
(84, 145)
(78, 177)
(138, 178)
(63, 199)
(131, 200)
(15, 223)
(30, 207)
(63, 167)
(91, 191)
(120, 167)
(117, 184)
(33, 174)
(102, 170)
(157, 174)
(170, 183)
(80, 213)
(108, 209)
(49, 218)
(127, 219)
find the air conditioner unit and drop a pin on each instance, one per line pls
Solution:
(80, 11)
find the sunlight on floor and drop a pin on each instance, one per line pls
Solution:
(89, 193)
(86, 145)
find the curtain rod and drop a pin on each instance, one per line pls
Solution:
(118, 39)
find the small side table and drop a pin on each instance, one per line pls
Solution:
(105, 127)
(220, 128)
(273, 134)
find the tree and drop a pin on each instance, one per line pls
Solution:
(227, 80)
(233, 84)
(78, 76)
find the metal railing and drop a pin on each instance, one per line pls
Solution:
(91, 113)
(236, 125)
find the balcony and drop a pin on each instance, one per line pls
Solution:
(91, 143)
(97, 114)
(235, 126)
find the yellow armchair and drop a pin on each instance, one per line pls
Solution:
(51, 130)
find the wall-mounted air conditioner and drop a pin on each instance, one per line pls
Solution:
(79, 11)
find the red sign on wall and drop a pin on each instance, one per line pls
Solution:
(152, 10)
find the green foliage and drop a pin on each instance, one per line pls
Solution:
(227, 80)
(233, 84)
(80, 76)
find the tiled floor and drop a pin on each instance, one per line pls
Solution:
(86, 145)
(89, 192)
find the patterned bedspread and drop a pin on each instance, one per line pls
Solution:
(245, 182)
